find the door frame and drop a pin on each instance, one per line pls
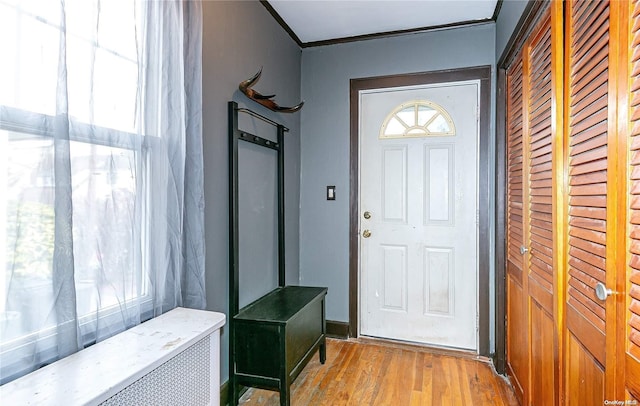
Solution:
(483, 75)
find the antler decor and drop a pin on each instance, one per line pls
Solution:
(245, 87)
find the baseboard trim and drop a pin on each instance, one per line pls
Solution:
(224, 393)
(337, 329)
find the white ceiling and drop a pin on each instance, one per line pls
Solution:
(322, 20)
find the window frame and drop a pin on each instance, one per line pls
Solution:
(44, 340)
(425, 132)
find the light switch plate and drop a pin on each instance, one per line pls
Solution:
(331, 193)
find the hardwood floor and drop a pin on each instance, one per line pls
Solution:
(359, 372)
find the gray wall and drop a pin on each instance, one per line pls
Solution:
(508, 18)
(238, 38)
(324, 225)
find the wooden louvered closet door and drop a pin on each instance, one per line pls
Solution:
(573, 178)
(593, 217)
(540, 151)
(517, 314)
(531, 327)
(632, 332)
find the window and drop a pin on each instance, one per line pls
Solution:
(97, 100)
(418, 118)
(104, 139)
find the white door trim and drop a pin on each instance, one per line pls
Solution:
(460, 335)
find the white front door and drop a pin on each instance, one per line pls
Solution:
(418, 208)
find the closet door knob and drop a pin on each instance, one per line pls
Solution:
(602, 292)
(366, 233)
(523, 249)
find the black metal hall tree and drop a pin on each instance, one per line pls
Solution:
(273, 338)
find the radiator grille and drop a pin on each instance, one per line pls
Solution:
(183, 380)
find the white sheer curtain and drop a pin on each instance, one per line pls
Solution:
(101, 174)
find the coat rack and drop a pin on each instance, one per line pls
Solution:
(273, 338)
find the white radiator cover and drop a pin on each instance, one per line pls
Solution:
(173, 359)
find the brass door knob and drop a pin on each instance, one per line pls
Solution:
(366, 233)
(367, 215)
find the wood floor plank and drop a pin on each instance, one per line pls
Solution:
(406, 376)
(370, 375)
(441, 383)
(484, 384)
(380, 395)
(427, 379)
(418, 373)
(346, 381)
(326, 386)
(457, 372)
(360, 372)
(416, 398)
(463, 378)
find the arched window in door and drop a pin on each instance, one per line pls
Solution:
(417, 118)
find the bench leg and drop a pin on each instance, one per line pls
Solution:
(323, 351)
(233, 396)
(285, 395)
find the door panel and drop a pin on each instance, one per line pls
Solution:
(531, 229)
(517, 313)
(419, 262)
(632, 336)
(517, 340)
(394, 272)
(394, 183)
(439, 188)
(590, 220)
(543, 368)
(583, 368)
(541, 151)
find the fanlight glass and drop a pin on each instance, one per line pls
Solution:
(418, 118)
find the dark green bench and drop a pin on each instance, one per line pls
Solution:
(277, 335)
